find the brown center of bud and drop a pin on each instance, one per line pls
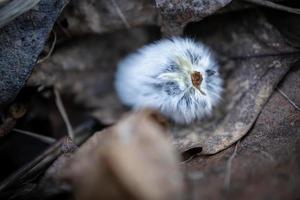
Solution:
(197, 80)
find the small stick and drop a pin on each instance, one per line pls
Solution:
(51, 49)
(63, 113)
(228, 168)
(287, 98)
(40, 163)
(50, 155)
(42, 138)
(120, 13)
(273, 5)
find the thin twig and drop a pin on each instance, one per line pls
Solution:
(228, 167)
(273, 5)
(63, 113)
(120, 13)
(40, 163)
(42, 138)
(51, 49)
(287, 98)
(50, 154)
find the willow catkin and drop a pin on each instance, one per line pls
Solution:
(177, 76)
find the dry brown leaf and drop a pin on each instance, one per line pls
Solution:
(94, 16)
(256, 60)
(266, 161)
(133, 159)
(177, 13)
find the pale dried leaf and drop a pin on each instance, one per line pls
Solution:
(133, 159)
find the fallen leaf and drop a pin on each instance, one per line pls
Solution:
(133, 159)
(21, 42)
(178, 13)
(93, 16)
(255, 61)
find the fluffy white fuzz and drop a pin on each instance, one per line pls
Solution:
(177, 76)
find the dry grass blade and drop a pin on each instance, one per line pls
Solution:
(120, 13)
(273, 5)
(42, 138)
(15, 8)
(63, 113)
(51, 49)
(288, 99)
(228, 168)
